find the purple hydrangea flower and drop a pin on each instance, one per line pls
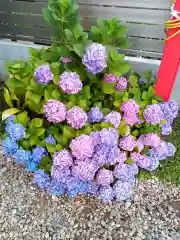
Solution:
(104, 177)
(154, 163)
(122, 190)
(159, 152)
(95, 115)
(82, 147)
(9, 146)
(60, 174)
(131, 119)
(150, 139)
(116, 156)
(174, 108)
(22, 156)
(56, 188)
(38, 153)
(42, 179)
(114, 118)
(170, 111)
(16, 131)
(96, 138)
(50, 140)
(93, 188)
(76, 117)
(55, 111)
(127, 143)
(62, 159)
(153, 114)
(43, 74)
(142, 80)
(70, 82)
(110, 78)
(141, 160)
(122, 83)
(109, 136)
(106, 194)
(101, 154)
(130, 107)
(166, 129)
(95, 58)
(75, 187)
(85, 170)
(171, 149)
(125, 172)
(66, 59)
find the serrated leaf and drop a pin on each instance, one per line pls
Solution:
(78, 31)
(79, 49)
(117, 103)
(36, 122)
(108, 88)
(22, 118)
(69, 35)
(9, 112)
(51, 148)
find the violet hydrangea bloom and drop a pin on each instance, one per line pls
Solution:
(60, 174)
(42, 179)
(122, 84)
(140, 145)
(70, 82)
(130, 107)
(82, 147)
(66, 59)
(95, 58)
(153, 114)
(114, 118)
(126, 172)
(166, 129)
(96, 138)
(109, 136)
(150, 139)
(9, 146)
(106, 194)
(85, 170)
(76, 117)
(43, 74)
(93, 188)
(141, 160)
(116, 156)
(10, 120)
(55, 111)
(95, 115)
(101, 154)
(104, 177)
(173, 107)
(110, 78)
(171, 149)
(154, 163)
(127, 143)
(159, 152)
(62, 159)
(122, 190)
(50, 140)
(16, 131)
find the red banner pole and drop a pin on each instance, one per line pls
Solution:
(170, 62)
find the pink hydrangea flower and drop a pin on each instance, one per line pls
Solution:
(70, 82)
(127, 143)
(104, 177)
(141, 160)
(55, 111)
(110, 78)
(122, 83)
(131, 119)
(150, 139)
(130, 107)
(76, 117)
(82, 147)
(62, 159)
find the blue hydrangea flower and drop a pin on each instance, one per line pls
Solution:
(95, 115)
(38, 153)
(142, 80)
(109, 136)
(22, 156)
(50, 140)
(73, 187)
(171, 149)
(9, 146)
(56, 188)
(43, 74)
(16, 131)
(31, 166)
(101, 154)
(42, 179)
(10, 120)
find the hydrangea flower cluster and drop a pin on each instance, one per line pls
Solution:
(92, 152)
(43, 74)
(70, 82)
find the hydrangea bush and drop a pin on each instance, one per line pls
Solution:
(80, 118)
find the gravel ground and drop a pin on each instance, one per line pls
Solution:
(153, 213)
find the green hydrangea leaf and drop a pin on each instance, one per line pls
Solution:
(108, 88)
(9, 112)
(7, 98)
(22, 118)
(51, 148)
(36, 123)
